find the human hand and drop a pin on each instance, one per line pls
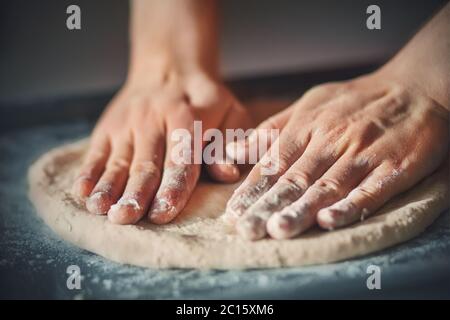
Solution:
(344, 150)
(128, 170)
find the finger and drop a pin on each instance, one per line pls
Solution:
(179, 179)
(252, 224)
(145, 176)
(331, 187)
(312, 164)
(386, 181)
(92, 167)
(375, 190)
(176, 187)
(223, 170)
(240, 150)
(264, 175)
(112, 182)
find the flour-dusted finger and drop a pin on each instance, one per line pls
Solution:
(265, 174)
(244, 149)
(223, 169)
(178, 183)
(112, 182)
(252, 225)
(289, 187)
(360, 202)
(92, 167)
(375, 190)
(181, 169)
(328, 189)
(144, 179)
(312, 164)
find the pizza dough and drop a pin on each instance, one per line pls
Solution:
(199, 238)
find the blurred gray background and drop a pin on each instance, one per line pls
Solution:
(40, 57)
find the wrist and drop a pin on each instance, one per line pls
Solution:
(424, 62)
(410, 74)
(177, 35)
(156, 67)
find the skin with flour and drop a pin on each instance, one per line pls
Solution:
(200, 238)
(172, 81)
(361, 142)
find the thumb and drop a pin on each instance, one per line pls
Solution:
(239, 150)
(237, 117)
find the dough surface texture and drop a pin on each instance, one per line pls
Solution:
(199, 238)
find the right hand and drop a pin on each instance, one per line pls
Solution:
(127, 171)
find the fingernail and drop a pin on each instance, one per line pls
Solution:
(229, 172)
(125, 211)
(161, 211)
(326, 219)
(246, 195)
(233, 210)
(125, 203)
(251, 228)
(160, 205)
(280, 226)
(338, 215)
(233, 170)
(98, 203)
(277, 226)
(79, 188)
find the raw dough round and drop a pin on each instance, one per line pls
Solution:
(199, 238)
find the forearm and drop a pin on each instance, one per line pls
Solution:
(425, 61)
(179, 33)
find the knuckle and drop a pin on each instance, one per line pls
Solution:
(95, 154)
(400, 93)
(327, 185)
(279, 160)
(323, 88)
(269, 123)
(329, 129)
(396, 100)
(146, 167)
(299, 180)
(396, 103)
(392, 164)
(367, 132)
(118, 164)
(335, 131)
(359, 163)
(368, 194)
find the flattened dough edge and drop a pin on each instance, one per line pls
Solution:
(199, 238)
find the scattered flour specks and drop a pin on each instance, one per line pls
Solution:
(25, 238)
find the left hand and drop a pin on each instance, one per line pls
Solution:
(344, 150)
(129, 170)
